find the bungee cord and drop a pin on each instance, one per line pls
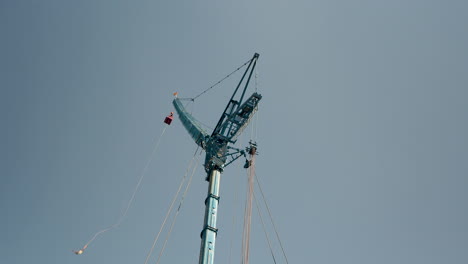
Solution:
(186, 183)
(130, 202)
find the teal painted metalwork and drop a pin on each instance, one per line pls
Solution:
(191, 124)
(235, 118)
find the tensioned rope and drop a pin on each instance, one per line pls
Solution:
(220, 81)
(248, 212)
(271, 219)
(264, 229)
(250, 193)
(178, 209)
(130, 202)
(170, 207)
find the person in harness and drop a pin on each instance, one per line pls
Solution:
(79, 252)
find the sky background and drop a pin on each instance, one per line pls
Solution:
(362, 129)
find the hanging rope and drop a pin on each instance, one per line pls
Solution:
(250, 195)
(248, 212)
(264, 229)
(170, 207)
(130, 202)
(178, 209)
(271, 219)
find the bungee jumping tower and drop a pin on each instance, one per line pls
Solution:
(219, 150)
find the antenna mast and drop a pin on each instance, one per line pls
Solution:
(219, 154)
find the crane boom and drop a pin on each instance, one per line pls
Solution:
(191, 124)
(235, 118)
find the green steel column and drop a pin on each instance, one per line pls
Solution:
(208, 234)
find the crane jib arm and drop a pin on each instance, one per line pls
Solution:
(240, 118)
(233, 121)
(191, 124)
(229, 129)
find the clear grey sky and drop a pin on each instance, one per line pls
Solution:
(362, 129)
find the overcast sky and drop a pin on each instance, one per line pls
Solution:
(362, 129)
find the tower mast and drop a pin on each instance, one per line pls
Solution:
(219, 154)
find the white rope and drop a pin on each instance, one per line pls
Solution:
(130, 202)
(271, 219)
(248, 212)
(264, 229)
(170, 207)
(178, 209)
